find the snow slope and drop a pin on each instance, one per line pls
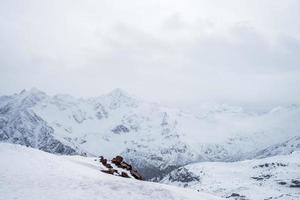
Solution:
(154, 138)
(30, 174)
(275, 177)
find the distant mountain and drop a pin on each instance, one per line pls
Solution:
(283, 148)
(275, 177)
(20, 125)
(155, 138)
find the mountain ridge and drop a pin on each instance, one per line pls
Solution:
(154, 138)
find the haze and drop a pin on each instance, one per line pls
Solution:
(180, 53)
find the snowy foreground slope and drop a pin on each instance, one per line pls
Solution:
(154, 138)
(275, 177)
(30, 174)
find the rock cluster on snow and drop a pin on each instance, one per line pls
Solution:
(292, 183)
(237, 196)
(121, 168)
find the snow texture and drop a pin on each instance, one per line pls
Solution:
(275, 177)
(30, 174)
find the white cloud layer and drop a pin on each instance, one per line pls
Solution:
(178, 52)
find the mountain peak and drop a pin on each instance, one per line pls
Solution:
(118, 93)
(32, 91)
(31, 96)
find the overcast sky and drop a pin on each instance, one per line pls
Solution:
(170, 51)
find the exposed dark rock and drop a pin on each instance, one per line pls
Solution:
(282, 183)
(124, 174)
(183, 175)
(237, 196)
(261, 177)
(271, 165)
(101, 158)
(136, 175)
(125, 165)
(295, 184)
(108, 166)
(117, 160)
(295, 181)
(110, 171)
(103, 161)
(120, 129)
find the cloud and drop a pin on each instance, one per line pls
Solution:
(176, 52)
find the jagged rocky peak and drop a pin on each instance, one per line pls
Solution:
(32, 92)
(31, 97)
(118, 98)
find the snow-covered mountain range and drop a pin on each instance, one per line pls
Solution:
(155, 138)
(276, 177)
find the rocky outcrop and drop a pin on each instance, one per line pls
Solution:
(136, 174)
(117, 166)
(183, 175)
(124, 174)
(237, 196)
(295, 184)
(120, 129)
